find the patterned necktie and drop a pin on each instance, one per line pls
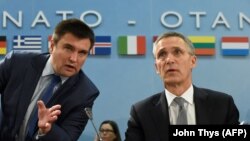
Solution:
(45, 97)
(182, 114)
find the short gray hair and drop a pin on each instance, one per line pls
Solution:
(175, 34)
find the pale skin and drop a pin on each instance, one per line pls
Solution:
(107, 135)
(67, 56)
(174, 64)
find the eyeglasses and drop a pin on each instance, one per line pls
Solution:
(105, 130)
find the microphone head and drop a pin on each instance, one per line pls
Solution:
(89, 112)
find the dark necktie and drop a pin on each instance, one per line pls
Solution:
(45, 97)
(182, 114)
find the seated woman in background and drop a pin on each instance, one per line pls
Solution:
(109, 131)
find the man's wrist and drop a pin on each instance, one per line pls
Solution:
(39, 134)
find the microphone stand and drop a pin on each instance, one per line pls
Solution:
(90, 115)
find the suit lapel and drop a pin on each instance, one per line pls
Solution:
(31, 79)
(201, 106)
(63, 90)
(161, 116)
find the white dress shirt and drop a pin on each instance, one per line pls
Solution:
(189, 106)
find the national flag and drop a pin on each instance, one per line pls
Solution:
(232, 45)
(102, 46)
(27, 43)
(204, 45)
(3, 45)
(49, 39)
(132, 45)
(154, 39)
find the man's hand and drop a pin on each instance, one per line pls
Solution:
(47, 116)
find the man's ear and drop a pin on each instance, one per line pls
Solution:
(52, 45)
(156, 69)
(194, 60)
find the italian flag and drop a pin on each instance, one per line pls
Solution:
(131, 45)
(204, 45)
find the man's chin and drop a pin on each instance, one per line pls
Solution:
(171, 82)
(68, 73)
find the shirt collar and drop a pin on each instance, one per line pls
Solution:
(187, 95)
(48, 70)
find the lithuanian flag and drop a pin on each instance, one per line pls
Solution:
(204, 45)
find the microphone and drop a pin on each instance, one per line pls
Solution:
(90, 115)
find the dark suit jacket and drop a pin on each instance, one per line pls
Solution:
(149, 119)
(19, 75)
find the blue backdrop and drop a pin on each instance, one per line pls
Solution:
(123, 80)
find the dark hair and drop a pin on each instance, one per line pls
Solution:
(115, 128)
(75, 27)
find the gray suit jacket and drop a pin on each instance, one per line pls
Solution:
(149, 119)
(19, 74)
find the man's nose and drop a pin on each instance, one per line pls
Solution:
(73, 56)
(169, 59)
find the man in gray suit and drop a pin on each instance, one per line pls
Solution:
(174, 61)
(25, 76)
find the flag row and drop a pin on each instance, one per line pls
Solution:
(136, 45)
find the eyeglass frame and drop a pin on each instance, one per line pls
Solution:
(106, 130)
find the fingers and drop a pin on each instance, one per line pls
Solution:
(54, 115)
(54, 111)
(55, 107)
(40, 104)
(47, 116)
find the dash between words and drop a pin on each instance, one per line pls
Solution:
(40, 18)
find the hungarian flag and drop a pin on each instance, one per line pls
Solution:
(3, 45)
(102, 46)
(204, 45)
(132, 45)
(238, 46)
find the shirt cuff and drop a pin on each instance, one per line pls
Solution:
(39, 135)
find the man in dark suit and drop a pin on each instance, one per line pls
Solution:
(24, 76)
(174, 60)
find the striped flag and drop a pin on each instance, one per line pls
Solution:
(27, 43)
(238, 46)
(102, 46)
(3, 45)
(204, 45)
(132, 45)
(154, 39)
(49, 39)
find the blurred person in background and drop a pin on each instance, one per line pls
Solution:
(108, 131)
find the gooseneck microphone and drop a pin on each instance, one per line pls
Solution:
(90, 115)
